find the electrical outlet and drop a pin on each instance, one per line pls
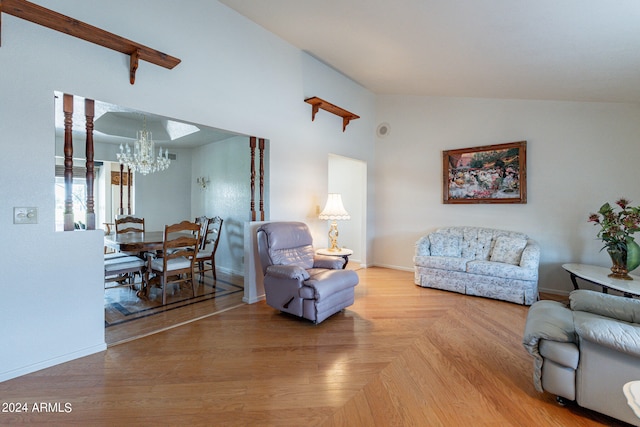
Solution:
(25, 215)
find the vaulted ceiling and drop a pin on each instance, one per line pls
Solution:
(579, 50)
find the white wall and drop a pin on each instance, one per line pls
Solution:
(234, 75)
(164, 197)
(579, 155)
(227, 164)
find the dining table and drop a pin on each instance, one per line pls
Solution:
(135, 242)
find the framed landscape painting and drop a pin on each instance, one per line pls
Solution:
(487, 174)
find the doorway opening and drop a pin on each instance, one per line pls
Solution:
(348, 177)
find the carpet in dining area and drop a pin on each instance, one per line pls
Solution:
(122, 305)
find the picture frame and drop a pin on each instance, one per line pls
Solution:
(486, 174)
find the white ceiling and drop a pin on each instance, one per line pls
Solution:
(116, 124)
(580, 50)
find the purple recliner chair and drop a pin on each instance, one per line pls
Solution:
(296, 280)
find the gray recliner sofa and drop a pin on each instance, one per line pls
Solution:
(296, 280)
(586, 351)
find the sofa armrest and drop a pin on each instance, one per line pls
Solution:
(614, 334)
(288, 272)
(328, 261)
(530, 255)
(423, 246)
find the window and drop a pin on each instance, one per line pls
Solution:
(78, 197)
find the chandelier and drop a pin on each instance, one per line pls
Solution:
(142, 159)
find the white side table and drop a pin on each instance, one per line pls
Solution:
(342, 252)
(600, 276)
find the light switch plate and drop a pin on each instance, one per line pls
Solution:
(25, 215)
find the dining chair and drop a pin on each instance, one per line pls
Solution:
(203, 221)
(176, 264)
(129, 224)
(206, 258)
(121, 268)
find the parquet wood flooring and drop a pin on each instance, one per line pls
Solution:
(400, 356)
(128, 317)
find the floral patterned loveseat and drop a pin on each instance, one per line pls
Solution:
(485, 262)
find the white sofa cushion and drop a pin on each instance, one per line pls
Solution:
(442, 262)
(443, 244)
(508, 250)
(505, 271)
(477, 242)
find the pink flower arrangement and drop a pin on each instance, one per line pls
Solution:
(616, 227)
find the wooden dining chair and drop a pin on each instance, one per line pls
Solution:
(206, 258)
(203, 221)
(129, 224)
(177, 263)
(121, 268)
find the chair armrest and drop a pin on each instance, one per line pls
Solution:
(328, 283)
(327, 261)
(287, 272)
(612, 306)
(550, 320)
(616, 335)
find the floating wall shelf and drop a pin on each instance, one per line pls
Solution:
(317, 103)
(56, 21)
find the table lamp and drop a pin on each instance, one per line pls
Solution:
(333, 211)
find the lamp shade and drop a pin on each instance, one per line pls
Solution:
(334, 209)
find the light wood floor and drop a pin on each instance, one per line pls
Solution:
(400, 356)
(149, 316)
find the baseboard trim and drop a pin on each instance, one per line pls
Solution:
(253, 300)
(393, 267)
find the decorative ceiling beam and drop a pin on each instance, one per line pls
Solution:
(64, 24)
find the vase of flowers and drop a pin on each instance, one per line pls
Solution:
(616, 229)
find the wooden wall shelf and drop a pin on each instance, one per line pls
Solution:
(317, 103)
(59, 22)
